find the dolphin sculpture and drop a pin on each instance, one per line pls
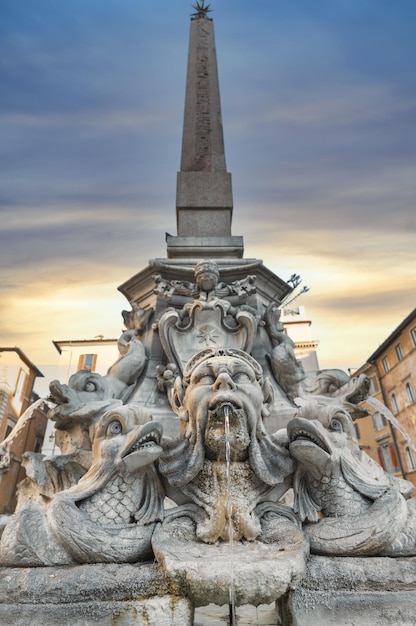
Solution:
(348, 504)
(109, 516)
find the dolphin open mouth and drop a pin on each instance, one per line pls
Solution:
(301, 431)
(360, 392)
(303, 435)
(148, 440)
(57, 393)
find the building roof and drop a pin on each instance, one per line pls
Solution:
(80, 342)
(396, 332)
(25, 360)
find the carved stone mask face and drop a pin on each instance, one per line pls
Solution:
(219, 382)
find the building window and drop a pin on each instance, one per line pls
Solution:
(410, 393)
(410, 459)
(87, 362)
(357, 430)
(399, 352)
(413, 333)
(394, 403)
(386, 364)
(38, 445)
(11, 423)
(388, 459)
(379, 421)
(373, 385)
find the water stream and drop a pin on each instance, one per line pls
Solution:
(231, 601)
(383, 410)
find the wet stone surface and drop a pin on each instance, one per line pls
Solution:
(248, 615)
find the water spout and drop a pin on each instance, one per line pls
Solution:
(385, 411)
(231, 602)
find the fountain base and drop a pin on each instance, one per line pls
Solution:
(366, 591)
(261, 571)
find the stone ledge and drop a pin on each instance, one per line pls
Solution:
(67, 584)
(353, 608)
(156, 611)
(360, 573)
(205, 247)
(87, 595)
(346, 591)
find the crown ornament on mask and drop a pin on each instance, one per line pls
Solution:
(210, 353)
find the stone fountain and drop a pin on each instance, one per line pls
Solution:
(207, 467)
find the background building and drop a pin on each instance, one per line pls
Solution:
(392, 372)
(298, 328)
(17, 378)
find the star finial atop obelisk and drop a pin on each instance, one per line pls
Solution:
(201, 10)
(204, 202)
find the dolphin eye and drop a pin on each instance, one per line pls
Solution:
(336, 426)
(90, 386)
(114, 428)
(332, 387)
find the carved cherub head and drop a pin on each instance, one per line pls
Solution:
(206, 275)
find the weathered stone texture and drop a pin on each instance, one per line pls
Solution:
(354, 592)
(85, 595)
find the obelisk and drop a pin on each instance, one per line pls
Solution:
(204, 202)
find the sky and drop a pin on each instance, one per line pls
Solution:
(319, 114)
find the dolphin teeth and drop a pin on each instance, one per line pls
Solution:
(152, 437)
(147, 441)
(303, 434)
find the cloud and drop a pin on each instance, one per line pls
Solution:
(318, 110)
(80, 120)
(345, 253)
(90, 244)
(347, 105)
(79, 310)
